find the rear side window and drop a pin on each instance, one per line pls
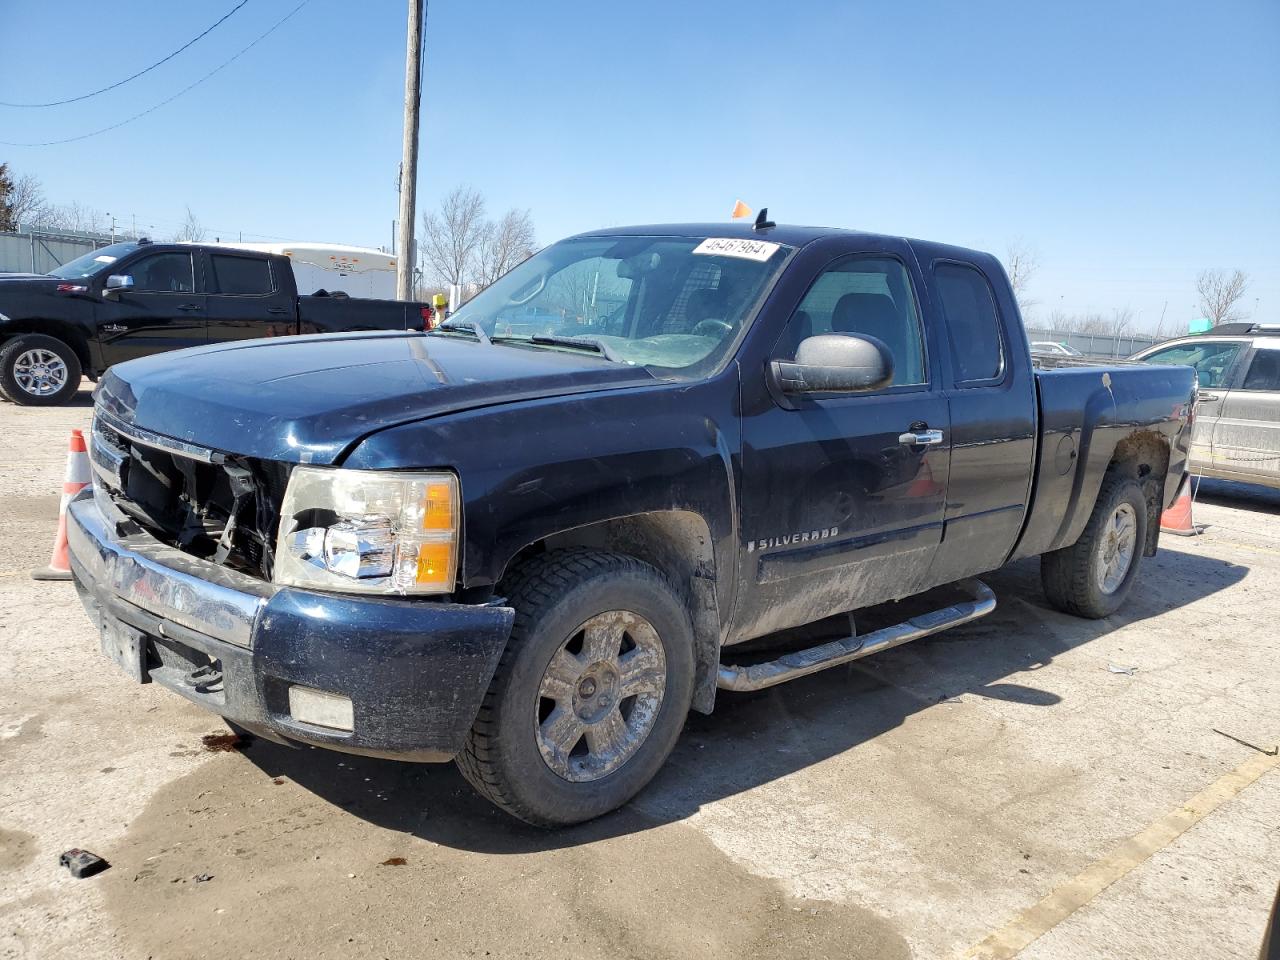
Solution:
(977, 349)
(247, 276)
(1212, 359)
(1264, 371)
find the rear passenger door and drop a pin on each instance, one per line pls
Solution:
(992, 405)
(247, 298)
(1247, 438)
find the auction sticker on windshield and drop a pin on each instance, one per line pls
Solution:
(759, 250)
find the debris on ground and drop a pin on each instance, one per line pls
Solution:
(1245, 743)
(223, 742)
(1127, 671)
(82, 863)
(202, 877)
(394, 862)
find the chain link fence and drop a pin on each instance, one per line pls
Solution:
(1095, 344)
(31, 250)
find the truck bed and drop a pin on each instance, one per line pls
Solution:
(1088, 410)
(330, 314)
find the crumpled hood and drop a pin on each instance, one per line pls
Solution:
(307, 399)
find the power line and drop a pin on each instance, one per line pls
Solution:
(120, 83)
(137, 116)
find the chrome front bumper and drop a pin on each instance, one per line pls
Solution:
(168, 583)
(414, 670)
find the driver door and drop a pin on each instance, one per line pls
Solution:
(161, 312)
(841, 508)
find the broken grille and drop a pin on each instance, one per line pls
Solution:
(212, 505)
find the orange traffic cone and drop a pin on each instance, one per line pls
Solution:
(740, 210)
(76, 479)
(1177, 519)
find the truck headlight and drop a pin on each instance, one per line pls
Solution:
(368, 531)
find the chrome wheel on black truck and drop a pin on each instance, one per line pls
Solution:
(1092, 577)
(37, 371)
(591, 693)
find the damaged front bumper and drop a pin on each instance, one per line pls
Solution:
(414, 671)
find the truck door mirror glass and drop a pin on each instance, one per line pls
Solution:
(119, 281)
(836, 363)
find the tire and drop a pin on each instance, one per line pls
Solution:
(57, 363)
(1072, 578)
(573, 607)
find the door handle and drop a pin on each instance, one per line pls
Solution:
(1207, 396)
(189, 306)
(921, 438)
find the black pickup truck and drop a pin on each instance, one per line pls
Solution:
(134, 299)
(536, 551)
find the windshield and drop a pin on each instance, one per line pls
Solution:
(675, 303)
(95, 261)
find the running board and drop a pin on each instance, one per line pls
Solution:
(801, 663)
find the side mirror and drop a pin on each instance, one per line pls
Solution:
(836, 363)
(118, 282)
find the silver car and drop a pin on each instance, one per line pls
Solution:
(1237, 429)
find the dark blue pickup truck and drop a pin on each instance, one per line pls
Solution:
(535, 549)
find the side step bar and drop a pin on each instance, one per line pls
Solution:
(801, 663)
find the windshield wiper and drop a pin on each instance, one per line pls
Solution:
(465, 326)
(582, 343)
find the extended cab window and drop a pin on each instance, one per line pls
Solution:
(1264, 370)
(977, 349)
(245, 276)
(1212, 359)
(863, 295)
(163, 273)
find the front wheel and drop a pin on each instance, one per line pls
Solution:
(1092, 577)
(38, 371)
(591, 693)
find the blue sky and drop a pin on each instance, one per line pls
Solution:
(1130, 144)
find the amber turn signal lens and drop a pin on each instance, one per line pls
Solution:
(434, 561)
(437, 507)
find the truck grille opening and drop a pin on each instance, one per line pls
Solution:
(213, 506)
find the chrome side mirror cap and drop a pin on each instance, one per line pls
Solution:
(835, 363)
(118, 282)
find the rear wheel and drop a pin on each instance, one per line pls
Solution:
(38, 371)
(1092, 577)
(591, 693)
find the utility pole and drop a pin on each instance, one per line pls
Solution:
(409, 154)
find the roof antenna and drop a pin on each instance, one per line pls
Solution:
(763, 222)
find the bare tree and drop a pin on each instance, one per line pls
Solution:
(1221, 293)
(1092, 323)
(7, 219)
(192, 229)
(1021, 263)
(74, 217)
(506, 243)
(453, 236)
(1121, 321)
(27, 204)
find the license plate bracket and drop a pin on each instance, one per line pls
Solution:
(126, 647)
